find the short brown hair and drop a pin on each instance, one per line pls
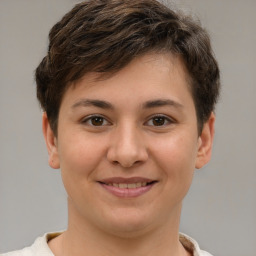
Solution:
(105, 35)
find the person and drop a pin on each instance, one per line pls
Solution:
(128, 89)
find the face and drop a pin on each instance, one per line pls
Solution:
(128, 145)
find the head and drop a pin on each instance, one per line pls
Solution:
(127, 87)
(104, 36)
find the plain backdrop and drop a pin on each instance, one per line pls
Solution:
(220, 208)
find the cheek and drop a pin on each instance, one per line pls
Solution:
(175, 156)
(80, 156)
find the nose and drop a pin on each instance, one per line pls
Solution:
(127, 147)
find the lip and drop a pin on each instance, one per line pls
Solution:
(107, 184)
(126, 180)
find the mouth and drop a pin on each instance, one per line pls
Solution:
(127, 187)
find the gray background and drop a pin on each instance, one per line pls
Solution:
(220, 210)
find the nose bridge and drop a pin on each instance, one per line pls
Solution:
(127, 145)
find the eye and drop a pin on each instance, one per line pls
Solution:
(159, 120)
(95, 120)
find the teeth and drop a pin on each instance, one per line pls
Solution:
(133, 185)
(121, 185)
(130, 185)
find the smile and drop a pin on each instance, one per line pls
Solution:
(129, 185)
(132, 187)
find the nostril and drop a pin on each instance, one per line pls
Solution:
(137, 162)
(125, 164)
(115, 162)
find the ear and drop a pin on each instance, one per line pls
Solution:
(51, 143)
(205, 142)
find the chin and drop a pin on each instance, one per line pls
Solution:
(128, 223)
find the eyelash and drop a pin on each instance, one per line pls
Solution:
(167, 120)
(88, 120)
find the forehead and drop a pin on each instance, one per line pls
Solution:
(151, 72)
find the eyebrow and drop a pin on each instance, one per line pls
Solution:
(161, 103)
(96, 103)
(106, 105)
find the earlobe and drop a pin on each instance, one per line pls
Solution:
(205, 143)
(51, 143)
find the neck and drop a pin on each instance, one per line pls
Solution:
(82, 238)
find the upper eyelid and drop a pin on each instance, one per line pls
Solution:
(162, 115)
(170, 119)
(93, 115)
(86, 118)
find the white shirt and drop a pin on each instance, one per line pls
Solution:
(40, 247)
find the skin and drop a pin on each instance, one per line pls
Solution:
(128, 139)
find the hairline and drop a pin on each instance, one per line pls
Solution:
(101, 76)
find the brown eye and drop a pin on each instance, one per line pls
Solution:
(97, 121)
(158, 121)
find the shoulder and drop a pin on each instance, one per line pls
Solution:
(191, 245)
(204, 253)
(38, 248)
(23, 252)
